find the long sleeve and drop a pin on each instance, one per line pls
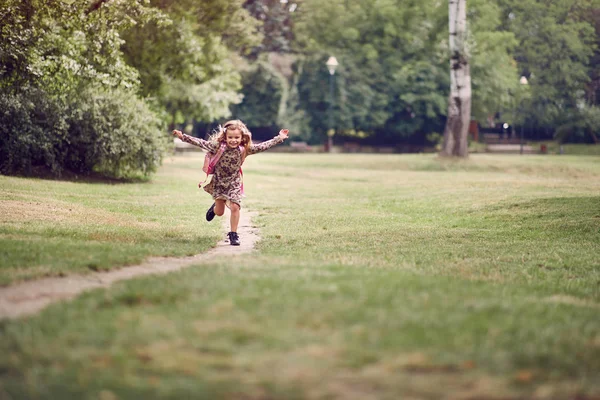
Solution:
(203, 144)
(257, 148)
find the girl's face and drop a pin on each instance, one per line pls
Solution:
(233, 137)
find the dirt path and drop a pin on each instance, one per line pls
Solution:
(31, 297)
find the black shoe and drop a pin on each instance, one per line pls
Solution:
(234, 239)
(210, 214)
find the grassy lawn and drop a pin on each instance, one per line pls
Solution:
(51, 228)
(377, 277)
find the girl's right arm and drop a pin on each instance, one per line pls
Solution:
(203, 144)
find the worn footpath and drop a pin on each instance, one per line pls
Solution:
(30, 297)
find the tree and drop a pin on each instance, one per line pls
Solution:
(263, 90)
(494, 73)
(393, 82)
(69, 101)
(557, 40)
(384, 47)
(187, 63)
(276, 25)
(459, 101)
(83, 84)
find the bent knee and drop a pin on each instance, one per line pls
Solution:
(219, 208)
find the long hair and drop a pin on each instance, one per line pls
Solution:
(220, 134)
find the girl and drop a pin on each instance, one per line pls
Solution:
(233, 141)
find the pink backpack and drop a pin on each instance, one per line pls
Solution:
(211, 160)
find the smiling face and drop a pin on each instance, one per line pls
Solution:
(233, 137)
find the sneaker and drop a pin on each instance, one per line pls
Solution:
(210, 213)
(234, 239)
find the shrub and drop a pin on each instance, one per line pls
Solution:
(110, 132)
(33, 130)
(114, 133)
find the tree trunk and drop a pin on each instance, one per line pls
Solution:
(459, 102)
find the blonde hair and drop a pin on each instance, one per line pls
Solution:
(220, 134)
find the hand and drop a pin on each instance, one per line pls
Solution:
(178, 134)
(284, 133)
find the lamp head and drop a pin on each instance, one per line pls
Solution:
(331, 65)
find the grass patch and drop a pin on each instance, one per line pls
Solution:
(377, 276)
(53, 228)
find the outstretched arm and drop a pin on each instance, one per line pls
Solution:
(257, 148)
(204, 144)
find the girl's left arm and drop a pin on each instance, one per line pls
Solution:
(257, 148)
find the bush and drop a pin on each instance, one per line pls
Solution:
(33, 131)
(114, 133)
(110, 132)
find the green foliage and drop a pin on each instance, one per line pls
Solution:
(292, 113)
(108, 131)
(263, 89)
(59, 60)
(422, 98)
(33, 132)
(186, 63)
(221, 21)
(112, 132)
(393, 78)
(191, 60)
(556, 43)
(494, 75)
(394, 54)
(62, 48)
(276, 27)
(579, 125)
(86, 84)
(312, 95)
(389, 64)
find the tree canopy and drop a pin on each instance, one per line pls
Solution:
(393, 77)
(143, 63)
(556, 46)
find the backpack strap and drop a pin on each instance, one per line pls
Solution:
(209, 163)
(212, 161)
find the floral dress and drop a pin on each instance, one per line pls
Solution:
(226, 183)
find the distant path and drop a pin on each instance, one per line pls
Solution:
(32, 296)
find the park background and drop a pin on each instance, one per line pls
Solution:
(95, 87)
(377, 276)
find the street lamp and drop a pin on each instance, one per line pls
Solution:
(331, 66)
(523, 82)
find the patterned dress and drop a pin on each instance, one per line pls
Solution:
(226, 183)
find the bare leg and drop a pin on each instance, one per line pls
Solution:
(235, 216)
(219, 207)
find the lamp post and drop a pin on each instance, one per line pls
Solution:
(331, 66)
(522, 81)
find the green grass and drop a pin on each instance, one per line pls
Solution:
(52, 228)
(377, 276)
